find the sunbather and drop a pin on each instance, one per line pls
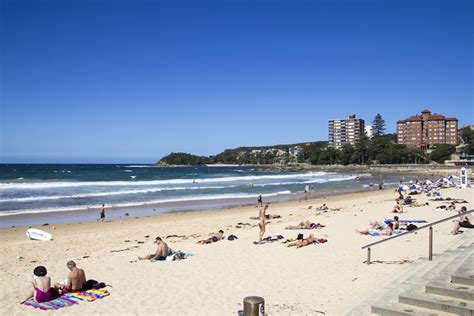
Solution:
(377, 232)
(416, 204)
(76, 279)
(303, 242)
(398, 208)
(161, 253)
(42, 290)
(379, 225)
(306, 225)
(466, 221)
(262, 221)
(322, 208)
(213, 237)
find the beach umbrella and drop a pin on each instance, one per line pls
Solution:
(442, 180)
(428, 181)
(451, 177)
(414, 187)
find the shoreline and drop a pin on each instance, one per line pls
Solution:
(89, 215)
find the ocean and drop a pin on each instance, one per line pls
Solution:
(141, 189)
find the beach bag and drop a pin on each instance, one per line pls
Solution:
(300, 237)
(411, 227)
(90, 284)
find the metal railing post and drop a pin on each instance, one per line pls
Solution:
(430, 226)
(430, 255)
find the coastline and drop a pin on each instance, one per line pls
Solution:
(108, 251)
(158, 209)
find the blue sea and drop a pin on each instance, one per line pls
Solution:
(56, 188)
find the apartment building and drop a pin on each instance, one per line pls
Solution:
(344, 131)
(425, 130)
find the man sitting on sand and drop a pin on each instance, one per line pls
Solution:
(466, 221)
(398, 208)
(376, 232)
(306, 225)
(76, 279)
(162, 251)
(213, 237)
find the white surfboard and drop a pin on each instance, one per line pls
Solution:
(37, 234)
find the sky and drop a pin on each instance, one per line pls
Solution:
(131, 81)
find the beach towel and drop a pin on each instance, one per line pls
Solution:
(67, 299)
(406, 221)
(304, 228)
(174, 255)
(376, 232)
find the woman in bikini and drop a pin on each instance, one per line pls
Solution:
(262, 221)
(42, 290)
(303, 242)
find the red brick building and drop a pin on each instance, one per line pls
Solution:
(425, 130)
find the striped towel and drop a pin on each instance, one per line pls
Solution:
(68, 299)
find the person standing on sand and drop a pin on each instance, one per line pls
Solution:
(262, 221)
(102, 213)
(259, 200)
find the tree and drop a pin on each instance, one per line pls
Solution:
(467, 136)
(442, 152)
(378, 125)
(347, 152)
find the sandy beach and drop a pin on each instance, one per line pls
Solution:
(329, 278)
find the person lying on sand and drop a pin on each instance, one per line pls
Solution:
(323, 207)
(306, 241)
(305, 225)
(76, 279)
(459, 201)
(452, 206)
(388, 231)
(379, 225)
(162, 251)
(42, 290)
(466, 221)
(213, 237)
(416, 204)
(398, 208)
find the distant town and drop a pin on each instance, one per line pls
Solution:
(423, 138)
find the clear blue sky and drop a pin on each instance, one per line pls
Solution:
(130, 81)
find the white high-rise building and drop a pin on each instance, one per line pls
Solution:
(344, 131)
(368, 131)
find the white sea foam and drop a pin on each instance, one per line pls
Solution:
(128, 170)
(137, 204)
(247, 179)
(109, 193)
(140, 166)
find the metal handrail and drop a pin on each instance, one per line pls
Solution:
(430, 226)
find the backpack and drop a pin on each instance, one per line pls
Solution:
(411, 227)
